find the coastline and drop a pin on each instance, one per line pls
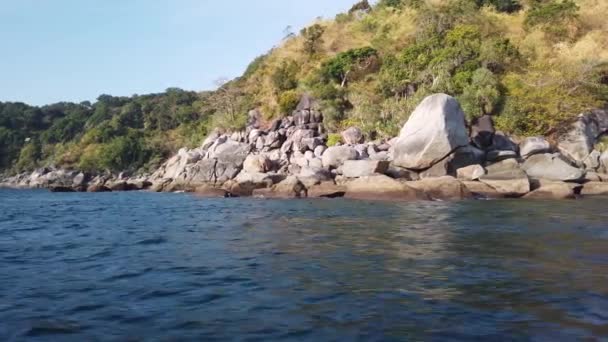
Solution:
(436, 157)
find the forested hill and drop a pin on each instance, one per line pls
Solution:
(532, 64)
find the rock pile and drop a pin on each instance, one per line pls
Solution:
(436, 156)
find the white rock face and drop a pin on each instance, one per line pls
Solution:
(433, 131)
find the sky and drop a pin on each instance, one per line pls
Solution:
(75, 50)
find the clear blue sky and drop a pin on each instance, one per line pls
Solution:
(75, 50)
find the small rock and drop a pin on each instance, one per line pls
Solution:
(496, 155)
(363, 168)
(352, 136)
(534, 145)
(319, 150)
(335, 156)
(257, 164)
(471, 172)
(381, 187)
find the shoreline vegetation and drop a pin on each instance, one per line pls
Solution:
(435, 157)
(403, 100)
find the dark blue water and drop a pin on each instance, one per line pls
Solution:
(143, 266)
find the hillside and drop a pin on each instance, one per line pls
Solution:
(532, 64)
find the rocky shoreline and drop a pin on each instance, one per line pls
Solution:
(435, 157)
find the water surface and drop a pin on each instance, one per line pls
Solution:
(144, 266)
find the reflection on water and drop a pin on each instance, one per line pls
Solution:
(150, 266)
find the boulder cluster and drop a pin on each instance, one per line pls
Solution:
(435, 157)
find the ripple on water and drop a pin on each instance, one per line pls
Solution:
(153, 241)
(51, 328)
(172, 267)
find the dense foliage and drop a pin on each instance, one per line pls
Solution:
(532, 64)
(112, 134)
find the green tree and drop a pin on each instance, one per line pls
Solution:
(313, 39)
(29, 156)
(288, 101)
(482, 96)
(285, 77)
(346, 64)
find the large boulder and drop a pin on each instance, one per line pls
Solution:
(335, 156)
(507, 178)
(327, 189)
(594, 189)
(352, 136)
(534, 145)
(434, 130)
(442, 188)
(363, 168)
(551, 167)
(555, 190)
(381, 187)
(578, 142)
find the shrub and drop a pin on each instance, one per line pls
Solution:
(333, 139)
(552, 16)
(29, 156)
(482, 95)
(347, 65)
(254, 66)
(288, 101)
(285, 76)
(312, 39)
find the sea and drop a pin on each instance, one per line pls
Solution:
(139, 266)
